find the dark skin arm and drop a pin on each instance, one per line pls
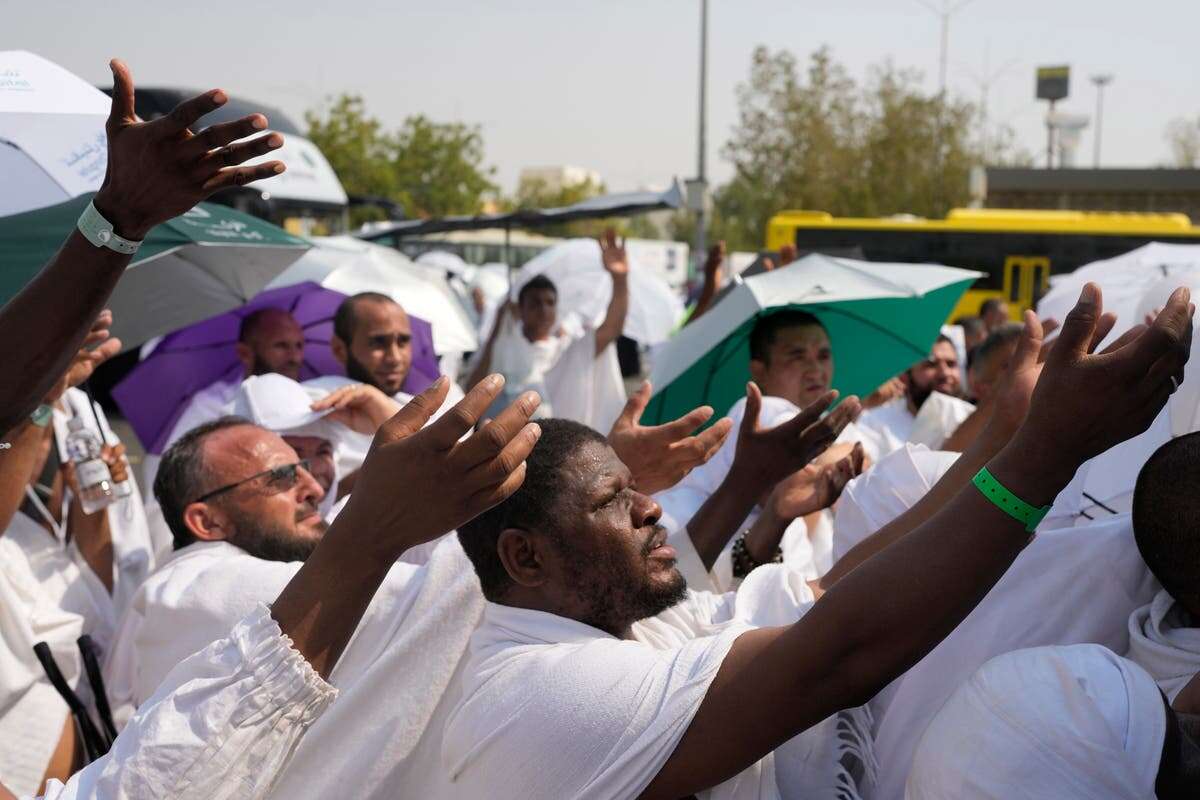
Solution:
(484, 365)
(764, 457)
(156, 171)
(777, 682)
(712, 281)
(416, 484)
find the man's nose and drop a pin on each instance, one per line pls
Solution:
(646, 511)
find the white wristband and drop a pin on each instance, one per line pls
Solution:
(99, 231)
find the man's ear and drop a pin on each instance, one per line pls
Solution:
(246, 356)
(206, 522)
(523, 556)
(340, 350)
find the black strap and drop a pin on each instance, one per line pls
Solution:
(93, 742)
(91, 666)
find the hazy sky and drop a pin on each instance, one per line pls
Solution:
(612, 84)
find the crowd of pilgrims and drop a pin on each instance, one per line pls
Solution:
(336, 589)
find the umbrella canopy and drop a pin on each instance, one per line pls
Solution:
(881, 318)
(156, 392)
(445, 261)
(350, 266)
(621, 204)
(585, 289)
(204, 262)
(52, 141)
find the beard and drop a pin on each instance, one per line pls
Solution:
(615, 591)
(918, 394)
(271, 541)
(355, 371)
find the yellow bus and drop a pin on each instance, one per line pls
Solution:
(1018, 250)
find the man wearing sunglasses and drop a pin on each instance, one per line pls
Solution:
(244, 511)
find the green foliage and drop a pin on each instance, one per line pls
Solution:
(822, 141)
(431, 169)
(1183, 137)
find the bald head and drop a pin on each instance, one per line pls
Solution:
(270, 340)
(1166, 512)
(372, 338)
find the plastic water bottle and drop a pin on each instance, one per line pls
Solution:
(95, 481)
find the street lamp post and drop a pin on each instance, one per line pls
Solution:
(1101, 81)
(697, 197)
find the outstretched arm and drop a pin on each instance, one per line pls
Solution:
(764, 458)
(156, 171)
(416, 484)
(483, 365)
(890, 611)
(712, 281)
(616, 263)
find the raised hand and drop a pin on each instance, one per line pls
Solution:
(766, 456)
(716, 257)
(360, 407)
(887, 391)
(157, 170)
(1086, 402)
(817, 486)
(660, 456)
(612, 253)
(98, 346)
(418, 483)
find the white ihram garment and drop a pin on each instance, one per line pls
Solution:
(1069, 586)
(1052, 723)
(554, 708)
(808, 552)
(396, 677)
(1164, 641)
(890, 425)
(223, 725)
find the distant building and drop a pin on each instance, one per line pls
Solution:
(557, 178)
(1147, 190)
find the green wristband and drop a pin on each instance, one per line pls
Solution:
(1008, 502)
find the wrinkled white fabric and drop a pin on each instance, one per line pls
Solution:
(398, 680)
(890, 425)
(803, 550)
(1053, 723)
(1071, 585)
(223, 725)
(586, 387)
(1164, 641)
(884, 492)
(396, 677)
(524, 364)
(190, 602)
(553, 707)
(31, 712)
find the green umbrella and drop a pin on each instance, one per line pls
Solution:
(200, 264)
(881, 319)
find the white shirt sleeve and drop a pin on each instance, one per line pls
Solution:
(223, 724)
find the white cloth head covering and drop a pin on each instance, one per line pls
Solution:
(280, 404)
(1051, 722)
(1164, 641)
(886, 491)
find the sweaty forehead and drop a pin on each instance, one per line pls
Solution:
(377, 318)
(244, 450)
(594, 466)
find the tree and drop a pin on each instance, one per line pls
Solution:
(429, 168)
(824, 142)
(1183, 136)
(536, 193)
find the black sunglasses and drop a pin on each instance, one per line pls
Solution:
(279, 479)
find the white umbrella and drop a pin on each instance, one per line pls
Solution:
(1133, 285)
(1124, 280)
(585, 289)
(351, 265)
(52, 141)
(445, 261)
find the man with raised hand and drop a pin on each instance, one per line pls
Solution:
(227, 720)
(156, 171)
(591, 676)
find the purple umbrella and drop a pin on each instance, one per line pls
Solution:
(156, 392)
